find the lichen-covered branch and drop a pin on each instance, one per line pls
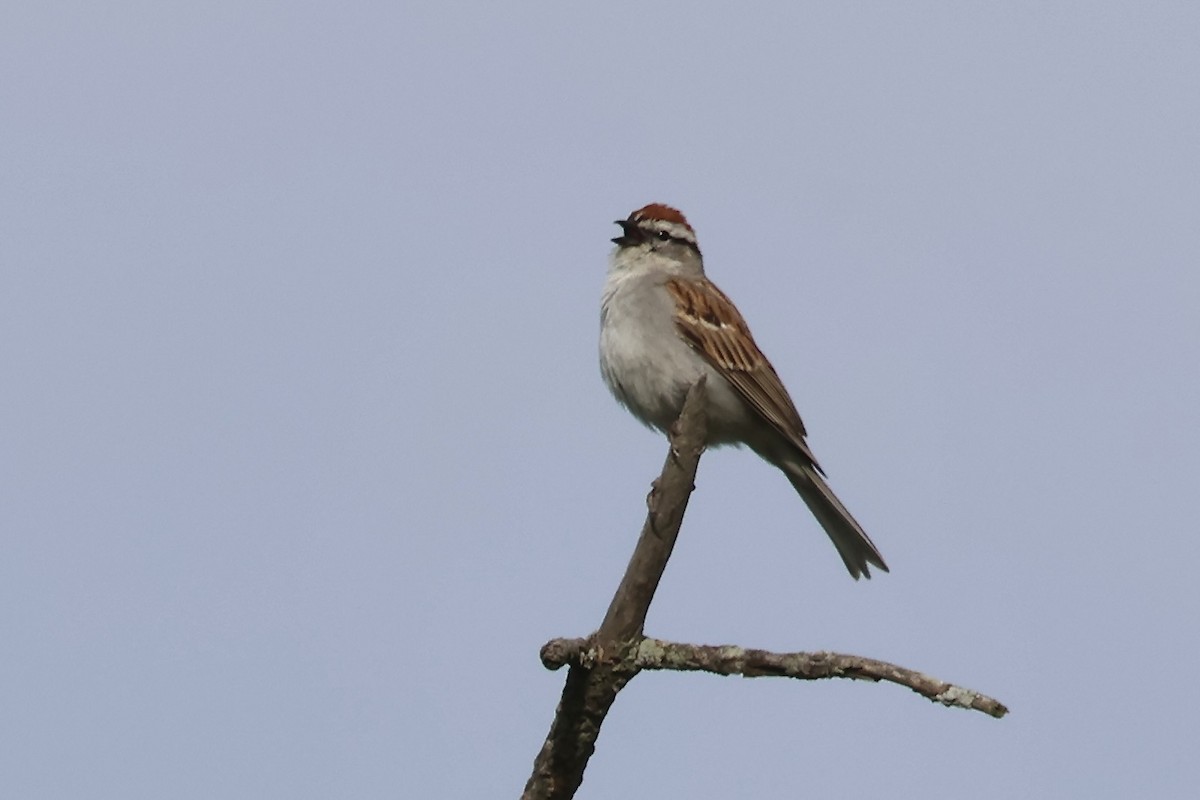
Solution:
(656, 654)
(731, 660)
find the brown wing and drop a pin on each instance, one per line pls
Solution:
(710, 323)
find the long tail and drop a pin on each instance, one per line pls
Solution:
(851, 541)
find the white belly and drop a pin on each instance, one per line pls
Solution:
(649, 367)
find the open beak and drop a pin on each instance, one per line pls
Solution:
(629, 233)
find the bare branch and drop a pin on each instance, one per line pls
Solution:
(732, 660)
(604, 662)
(668, 500)
(592, 687)
(655, 654)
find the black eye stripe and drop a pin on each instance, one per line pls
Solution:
(645, 232)
(665, 236)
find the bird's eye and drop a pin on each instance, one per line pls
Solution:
(663, 236)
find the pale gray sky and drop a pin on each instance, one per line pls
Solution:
(304, 451)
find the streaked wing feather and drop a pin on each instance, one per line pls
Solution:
(711, 324)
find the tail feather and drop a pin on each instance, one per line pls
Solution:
(852, 543)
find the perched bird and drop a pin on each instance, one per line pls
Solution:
(663, 324)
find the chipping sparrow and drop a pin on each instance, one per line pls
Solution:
(663, 324)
